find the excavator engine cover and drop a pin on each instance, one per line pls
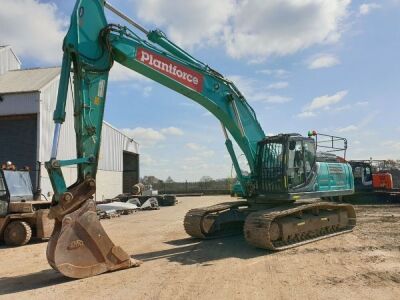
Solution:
(79, 247)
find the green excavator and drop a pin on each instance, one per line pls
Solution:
(283, 168)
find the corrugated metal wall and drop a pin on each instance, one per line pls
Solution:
(8, 61)
(108, 184)
(67, 145)
(114, 143)
(112, 146)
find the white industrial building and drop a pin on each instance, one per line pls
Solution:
(27, 102)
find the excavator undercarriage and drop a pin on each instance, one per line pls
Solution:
(274, 228)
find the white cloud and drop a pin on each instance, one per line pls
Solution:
(189, 104)
(278, 73)
(347, 129)
(188, 23)
(130, 79)
(392, 144)
(119, 72)
(281, 27)
(207, 114)
(193, 146)
(326, 100)
(350, 106)
(366, 8)
(322, 102)
(278, 85)
(144, 136)
(343, 108)
(35, 30)
(306, 114)
(147, 160)
(361, 125)
(147, 90)
(201, 151)
(172, 131)
(255, 91)
(275, 99)
(323, 61)
(249, 29)
(151, 136)
(207, 153)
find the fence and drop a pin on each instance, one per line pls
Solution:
(207, 188)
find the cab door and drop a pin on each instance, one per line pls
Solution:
(301, 162)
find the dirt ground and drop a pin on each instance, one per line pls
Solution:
(364, 264)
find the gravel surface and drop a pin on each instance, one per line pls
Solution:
(364, 264)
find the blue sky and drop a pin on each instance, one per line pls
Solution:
(332, 66)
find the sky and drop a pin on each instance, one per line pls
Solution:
(327, 65)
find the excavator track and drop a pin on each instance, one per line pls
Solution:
(282, 228)
(200, 222)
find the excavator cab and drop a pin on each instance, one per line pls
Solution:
(288, 168)
(362, 171)
(286, 163)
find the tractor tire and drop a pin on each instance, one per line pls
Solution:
(17, 233)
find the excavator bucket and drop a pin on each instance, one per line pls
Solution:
(79, 247)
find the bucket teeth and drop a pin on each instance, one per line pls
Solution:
(79, 247)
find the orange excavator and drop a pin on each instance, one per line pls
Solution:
(283, 168)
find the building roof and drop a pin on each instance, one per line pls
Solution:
(28, 80)
(120, 131)
(4, 47)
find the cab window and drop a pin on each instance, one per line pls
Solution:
(367, 174)
(309, 157)
(357, 173)
(295, 171)
(301, 160)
